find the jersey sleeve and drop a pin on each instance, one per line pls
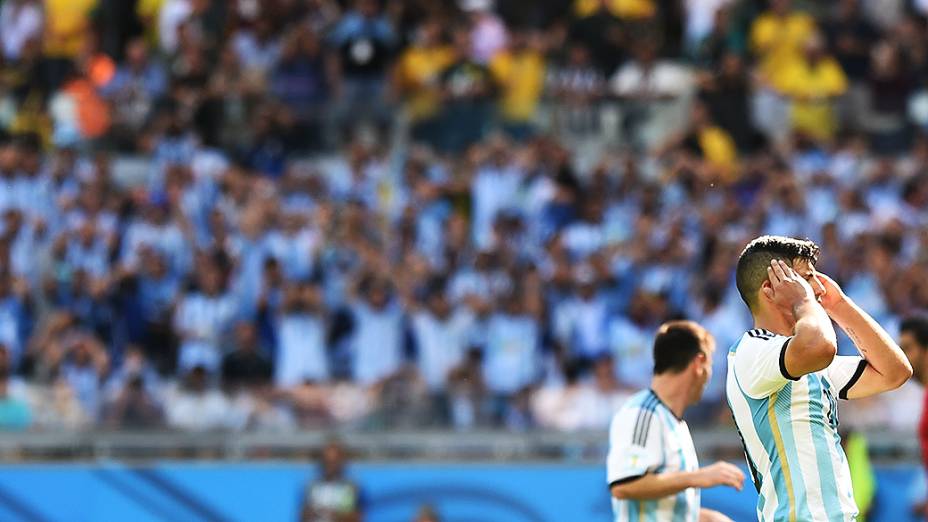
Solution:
(760, 363)
(635, 445)
(844, 372)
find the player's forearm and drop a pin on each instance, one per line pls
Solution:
(655, 485)
(873, 342)
(814, 337)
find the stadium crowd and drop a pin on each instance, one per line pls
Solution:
(422, 213)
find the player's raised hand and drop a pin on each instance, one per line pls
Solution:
(787, 288)
(720, 474)
(833, 295)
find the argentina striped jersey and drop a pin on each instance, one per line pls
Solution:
(789, 428)
(646, 437)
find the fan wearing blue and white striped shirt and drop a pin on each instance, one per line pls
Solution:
(784, 380)
(652, 469)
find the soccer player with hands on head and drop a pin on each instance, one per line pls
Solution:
(784, 380)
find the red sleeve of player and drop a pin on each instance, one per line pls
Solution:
(923, 431)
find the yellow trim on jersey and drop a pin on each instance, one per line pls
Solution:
(778, 441)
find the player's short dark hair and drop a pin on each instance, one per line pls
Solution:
(917, 325)
(756, 257)
(679, 342)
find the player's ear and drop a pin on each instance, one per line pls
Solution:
(766, 290)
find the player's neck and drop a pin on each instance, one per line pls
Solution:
(774, 322)
(673, 391)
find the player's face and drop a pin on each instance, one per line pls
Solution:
(807, 271)
(704, 375)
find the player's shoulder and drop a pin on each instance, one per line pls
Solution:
(635, 413)
(639, 403)
(757, 338)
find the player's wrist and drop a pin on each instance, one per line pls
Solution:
(697, 479)
(840, 308)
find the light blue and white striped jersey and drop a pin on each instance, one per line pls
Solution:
(789, 427)
(646, 437)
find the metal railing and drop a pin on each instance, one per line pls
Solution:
(583, 447)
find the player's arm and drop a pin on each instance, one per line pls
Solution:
(814, 344)
(883, 365)
(636, 453)
(659, 485)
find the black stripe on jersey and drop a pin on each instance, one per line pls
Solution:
(643, 420)
(861, 366)
(759, 334)
(643, 423)
(755, 476)
(783, 362)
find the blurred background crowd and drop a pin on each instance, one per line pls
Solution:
(292, 214)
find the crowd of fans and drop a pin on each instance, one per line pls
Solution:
(409, 213)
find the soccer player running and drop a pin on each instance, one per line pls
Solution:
(784, 380)
(652, 469)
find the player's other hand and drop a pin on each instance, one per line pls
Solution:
(833, 295)
(787, 289)
(720, 474)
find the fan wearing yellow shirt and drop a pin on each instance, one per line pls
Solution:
(67, 26)
(777, 36)
(519, 73)
(417, 79)
(812, 82)
(706, 149)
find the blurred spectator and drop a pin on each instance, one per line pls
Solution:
(136, 88)
(488, 32)
(364, 40)
(630, 339)
(134, 408)
(466, 88)
(203, 319)
(649, 87)
(302, 81)
(890, 83)
(776, 39)
(84, 365)
(246, 365)
(377, 343)
(15, 414)
(580, 321)
(727, 94)
(705, 150)
(59, 409)
(519, 72)
(851, 37)
(196, 405)
(67, 29)
(512, 353)
(258, 48)
(418, 75)
(301, 338)
(20, 22)
(812, 82)
(332, 497)
(578, 86)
